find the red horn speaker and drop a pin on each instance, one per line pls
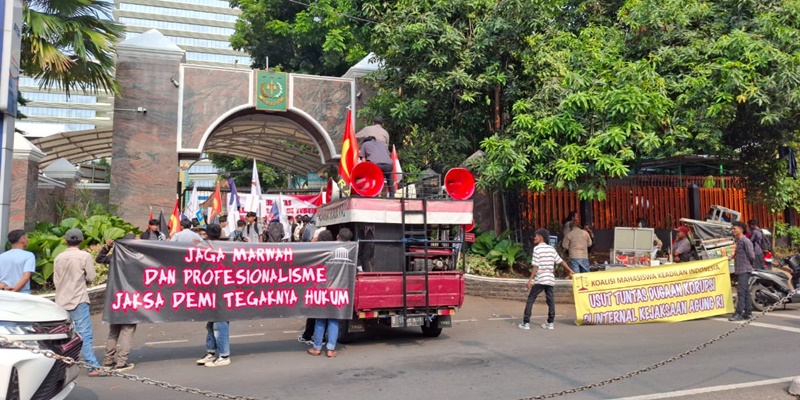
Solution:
(459, 183)
(367, 179)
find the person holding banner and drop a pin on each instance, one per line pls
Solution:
(118, 334)
(253, 233)
(218, 341)
(152, 232)
(326, 328)
(545, 257)
(743, 259)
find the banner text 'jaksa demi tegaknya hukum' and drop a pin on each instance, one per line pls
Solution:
(152, 281)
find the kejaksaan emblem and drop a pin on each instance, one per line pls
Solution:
(271, 92)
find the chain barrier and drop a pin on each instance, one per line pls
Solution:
(109, 372)
(662, 362)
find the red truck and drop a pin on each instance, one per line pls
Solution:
(408, 254)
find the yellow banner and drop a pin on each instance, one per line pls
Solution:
(676, 292)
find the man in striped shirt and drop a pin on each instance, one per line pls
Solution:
(545, 258)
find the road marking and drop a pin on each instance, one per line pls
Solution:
(763, 325)
(248, 335)
(710, 389)
(465, 320)
(291, 331)
(98, 347)
(166, 342)
(779, 315)
(501, 318)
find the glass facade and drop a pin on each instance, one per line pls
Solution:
(56, 112)
(173, 12)
(219, 58)
(176, 26)
(59, 97)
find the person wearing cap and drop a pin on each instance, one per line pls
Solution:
(375, 130)
(545, 257)
(73, 270)
(17, 265)
(120, 336)
(681, 247)
(152, 232)
(253, 233)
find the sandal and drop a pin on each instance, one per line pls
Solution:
(314, 352)
(331, 353)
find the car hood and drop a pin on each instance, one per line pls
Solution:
(20, 307)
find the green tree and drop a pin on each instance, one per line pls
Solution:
(240, 169)
(324, 37)
(69, 44)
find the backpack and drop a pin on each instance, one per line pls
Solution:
(275, 232)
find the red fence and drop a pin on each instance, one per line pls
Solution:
(661, 206)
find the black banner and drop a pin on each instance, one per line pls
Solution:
(155, 281)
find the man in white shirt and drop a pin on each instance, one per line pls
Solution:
(186, 234)
(545, 257)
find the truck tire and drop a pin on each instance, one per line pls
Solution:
(345, 336)
(431, 331)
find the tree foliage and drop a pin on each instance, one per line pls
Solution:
(69, 44)
(240, 169)
(320, 37)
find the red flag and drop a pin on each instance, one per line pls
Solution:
(397, 170)
(175, 219)
(349, 156)
(216, 204)
(151, 215)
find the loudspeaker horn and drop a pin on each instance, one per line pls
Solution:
(367, 179)
(459, 183)
(332, 191)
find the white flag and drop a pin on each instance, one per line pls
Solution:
(254, 203)
(194, 204)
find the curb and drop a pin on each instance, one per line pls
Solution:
(513, 289)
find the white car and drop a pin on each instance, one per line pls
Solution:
(39, 322)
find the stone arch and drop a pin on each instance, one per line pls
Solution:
(291, 140)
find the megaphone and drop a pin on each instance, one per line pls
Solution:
(367, 179)
(459, 183)
(332, 191)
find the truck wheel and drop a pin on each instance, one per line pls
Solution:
(431, 331)
(345, 336)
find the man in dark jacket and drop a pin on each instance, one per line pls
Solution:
(743, 259)
(120, 336)
(152, 232)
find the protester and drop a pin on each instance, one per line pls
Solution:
(120, 336)
(73, 269)
(377, 153)
(572, 216)
(743, 259)
(758, 240)
(544, 259)
(223, 223)
(375, 130)
(238, 234)
(577, 242)
(253, 232)
(309, 229)
(275, 231)
(325, 328)
(17, 265)
(681, 247)
(186, 234)
(292, 227)
(297, 232)
(218, 342)
(152, 232)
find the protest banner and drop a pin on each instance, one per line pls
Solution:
(155, 281)
(676, 292)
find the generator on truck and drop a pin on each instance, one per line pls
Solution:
(409, 248)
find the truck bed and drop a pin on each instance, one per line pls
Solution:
(384, 290)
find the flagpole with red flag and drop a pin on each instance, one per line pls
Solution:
(349, 154)
(216, 204)
(397, 170)
(175, 219)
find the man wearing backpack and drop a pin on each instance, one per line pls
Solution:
(760, 243)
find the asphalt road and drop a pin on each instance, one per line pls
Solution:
(484, 356)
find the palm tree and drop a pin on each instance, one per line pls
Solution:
(69, 44)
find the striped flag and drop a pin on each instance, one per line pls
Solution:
(349, 156)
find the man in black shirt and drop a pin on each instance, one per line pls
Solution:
(378, 153)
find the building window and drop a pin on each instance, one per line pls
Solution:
(219, 58)
(176, 26)
(59, 98)
(56, 112)
(174, 12)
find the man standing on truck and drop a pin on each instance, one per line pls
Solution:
(743, 259)
(545, 257)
